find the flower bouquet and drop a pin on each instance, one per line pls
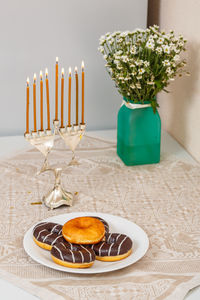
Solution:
(141, 63)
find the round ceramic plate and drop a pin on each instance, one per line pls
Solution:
(116, 224)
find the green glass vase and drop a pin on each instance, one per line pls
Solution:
(138, 135)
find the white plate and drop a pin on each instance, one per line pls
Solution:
(116, 224)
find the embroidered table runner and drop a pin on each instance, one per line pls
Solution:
(163, 199)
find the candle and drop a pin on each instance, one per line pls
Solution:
(34, 103)
(83, 87)
(56, 91)
(27, 105)
(76, 76)
(69, 97)
(62, 96)
(41, 102)
(47, 95)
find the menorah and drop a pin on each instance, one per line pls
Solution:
(43, 140)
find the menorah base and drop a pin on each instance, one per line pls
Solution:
(74, 162)
(45, 167)
(57, 197)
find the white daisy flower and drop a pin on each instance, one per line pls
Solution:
(169, 70)
(141, 71)
(151, 38)
(101, 49)
(138, 85)
(139, 62)
(166, 62)
(159, 50)
(146, 63)
(176, 50)
(139, 77)
(176, 58)
(124, 34)
(181, 44)
(133, 50)
(150, 83)
(105, 56)
(119, 52)
(132, 86)
(117, 57)
(102, 38)
(166, 49)
(174, 39)
(139, 37)
(150, 45)
(160, 40)
(125, 58)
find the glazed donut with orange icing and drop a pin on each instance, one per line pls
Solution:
(83, 230)
(116, 246)
(45, 234)
(72, 255)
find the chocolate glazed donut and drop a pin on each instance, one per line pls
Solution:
(72, 255)
(104, 223)
(45, 234)
(115, 247)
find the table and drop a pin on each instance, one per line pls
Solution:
(12, 144)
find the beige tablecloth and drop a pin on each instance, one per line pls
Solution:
(163, 199)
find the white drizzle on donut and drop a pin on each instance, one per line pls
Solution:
(73, 258)
(71, 247)
(54, 227)
(82, 258)
(118, 237)
(40, 224)
(63, 245)
(121, 245)
(61, 256)
(88, 251)
(56, 239)
(108, 240)
(110, 248)
(100, 248)
(40, 232)
(47, 236)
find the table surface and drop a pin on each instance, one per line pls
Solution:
(12, 144)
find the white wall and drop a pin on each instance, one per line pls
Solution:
(33, 33)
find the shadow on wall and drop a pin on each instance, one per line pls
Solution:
(153, 12)
(184, 91)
